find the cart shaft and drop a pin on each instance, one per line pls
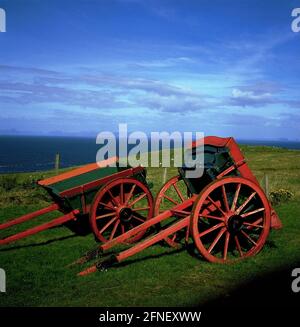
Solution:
(40, 228)
(182, 223)
(29, 216)
(148, 223)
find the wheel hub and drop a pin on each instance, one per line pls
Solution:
(125, 214)
(234, 224)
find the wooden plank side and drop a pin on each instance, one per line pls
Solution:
(78, 171)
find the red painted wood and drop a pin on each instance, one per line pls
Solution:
(241, 165)
(120, 203)
(234, 151)
(88, 271)
(151, 222)
(154, 239)
(204, 247)
(85, 187)
(159, 201)
(29, 216)
(78, 171)
(37, 229)
(183, 223)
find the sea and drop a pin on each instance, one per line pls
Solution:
(37, 153)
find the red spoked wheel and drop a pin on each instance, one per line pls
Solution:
(172, 193)
(119, 206)
(231, 220)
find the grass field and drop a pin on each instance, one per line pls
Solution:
(159, 276)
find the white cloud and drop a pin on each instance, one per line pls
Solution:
(238, 94)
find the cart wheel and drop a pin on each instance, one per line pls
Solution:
(231, 220)
(173, 192)
(119, 206)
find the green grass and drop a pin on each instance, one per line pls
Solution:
(159, 276)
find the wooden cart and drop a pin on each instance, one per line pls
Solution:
(224, 212)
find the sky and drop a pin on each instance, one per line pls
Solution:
(222, 67)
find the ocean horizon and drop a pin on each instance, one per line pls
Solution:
(37, 153)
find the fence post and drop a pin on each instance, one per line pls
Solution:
(164, 179)
(266, 185)
(57, 161)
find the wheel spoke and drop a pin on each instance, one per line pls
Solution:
(248, 238)
(216, 240)
(140, 209)
(238, 245)
(212, 217)
(247, 214)
(137, 218)
(211, 229)
(114, 199)
(216, 205)
(236, 195)
(225, 200)
(170, 199)
(245, 203)
(255, 224)
(226, 245)
(137, 199)
(106, 205)
(111, 214)
(122, 193)
(114, 230)
(122, 228)
(187, 235)
(130, 193)
(107, 225)
(178, 192)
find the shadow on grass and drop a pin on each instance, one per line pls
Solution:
(272, 289)
(57, 239)
(149, 257)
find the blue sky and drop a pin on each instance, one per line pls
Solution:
(227, 68)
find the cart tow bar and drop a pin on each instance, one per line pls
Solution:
(101, 265)
(93, 254)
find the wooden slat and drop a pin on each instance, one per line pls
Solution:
(77, 171)
(85, 187)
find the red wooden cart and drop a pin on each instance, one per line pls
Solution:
(225, 212)
(113, 198)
